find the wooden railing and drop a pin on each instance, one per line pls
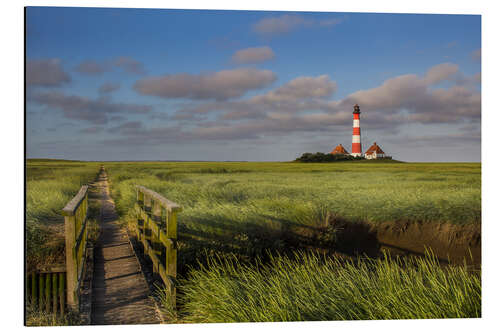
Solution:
(75, 225)
(156, 229)
(55, 288)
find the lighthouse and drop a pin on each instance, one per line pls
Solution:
(356, 133)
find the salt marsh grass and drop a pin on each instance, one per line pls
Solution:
(311, 287)
(374, 193)
(49, 186)
(249, 207)
(246, 232)
(244, 228)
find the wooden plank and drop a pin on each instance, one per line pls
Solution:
(73, 204)
(62, 295)
(171, 261)
(140, 197)
(81, 272)
(48, 289)
(81, 234)
(147, 204)
(27, 286)
(54, 292)
(156, 226)
(53, 269)
(171, 254)
(169, 285)
(163, 275)
(172, 225)
(165, 240)
(41, 290)
(169, 205)
(34, 289)
(147, 228)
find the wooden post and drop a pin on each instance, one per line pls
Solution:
(156, 219)
(71, 264)
(41, 291)
(147, 209)
(172, 251)
(33, 290)
(74, 213)
(171, 254)
(54, 292)
(140, 220)
(62, 296)
(48, 289)
(27, 292)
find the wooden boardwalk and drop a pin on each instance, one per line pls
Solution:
(120, 292)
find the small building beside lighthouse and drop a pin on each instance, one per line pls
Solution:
(339, 150)
(374, 152)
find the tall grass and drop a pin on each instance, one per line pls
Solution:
(237, 212)
(49, 187)
(37, 317)
(311, 287)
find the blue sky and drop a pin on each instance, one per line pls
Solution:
(137, 84)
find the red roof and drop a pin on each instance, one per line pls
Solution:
(374, 148)
(339, 150)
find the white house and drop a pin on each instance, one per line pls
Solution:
(374, 152)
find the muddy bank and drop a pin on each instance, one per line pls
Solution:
(450, 243)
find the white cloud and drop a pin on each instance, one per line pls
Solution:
(253, 55)
(272, 26)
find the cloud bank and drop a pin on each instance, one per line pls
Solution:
(46, 73)
(95, 111)
(91, 67)
(280, 25)
(218, 85)
(126, 64)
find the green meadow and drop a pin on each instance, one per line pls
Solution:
(253, 235)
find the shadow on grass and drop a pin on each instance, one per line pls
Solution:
(252, 240)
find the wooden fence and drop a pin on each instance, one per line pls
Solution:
(58, 287)
(157, 231)
(46, 290)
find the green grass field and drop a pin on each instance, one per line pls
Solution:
(444, 193)
(248, 213)
(242, 207)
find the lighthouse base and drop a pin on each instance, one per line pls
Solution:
(356, 154)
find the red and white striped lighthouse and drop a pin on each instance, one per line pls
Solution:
(356, 133)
